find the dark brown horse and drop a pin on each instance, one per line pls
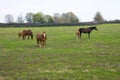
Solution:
(27, 33)
(86, 30)
(41, 39)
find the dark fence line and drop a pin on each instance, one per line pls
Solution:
(50, 24)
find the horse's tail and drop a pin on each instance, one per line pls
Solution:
(31, 33)
(79, 34)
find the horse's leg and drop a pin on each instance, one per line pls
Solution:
(38, 42)
(28, 37)
(31, 36)
(23, 37)
(77, 36)
(44, 43)
(80, 35)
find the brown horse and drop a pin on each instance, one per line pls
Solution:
(87, 30)
(27, 33)
(20, 34)
(78, 34)
(41, 39)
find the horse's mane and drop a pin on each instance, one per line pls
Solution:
(93, 27)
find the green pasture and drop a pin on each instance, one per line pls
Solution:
(64, 57)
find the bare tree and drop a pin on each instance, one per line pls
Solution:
(29, 17)
(9, 18)
(65, 18)
(57, 18)
(20, 19)
(69, 17)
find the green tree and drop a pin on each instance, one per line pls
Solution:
(98, 17)
(48, 19)
(73, 18)
(39, 18)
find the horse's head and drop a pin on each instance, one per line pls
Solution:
(20, 34)
(94, 28)
(44, 36)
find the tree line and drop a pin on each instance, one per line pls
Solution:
(39, 17)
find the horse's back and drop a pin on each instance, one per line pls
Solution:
(39, 36)
(81, 30)
(30, 31)
(24, 31)
(84, 30)
(27, 32)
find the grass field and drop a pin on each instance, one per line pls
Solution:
(64, 57)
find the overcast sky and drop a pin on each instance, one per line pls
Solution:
(84, 9)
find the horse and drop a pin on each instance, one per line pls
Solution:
(41, 39)
(77, 34)
(20, 34)
(27, 33)
(86, 30)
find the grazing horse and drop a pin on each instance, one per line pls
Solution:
(86, 30)
(20, 34)
(41, 39)
(27, 33)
